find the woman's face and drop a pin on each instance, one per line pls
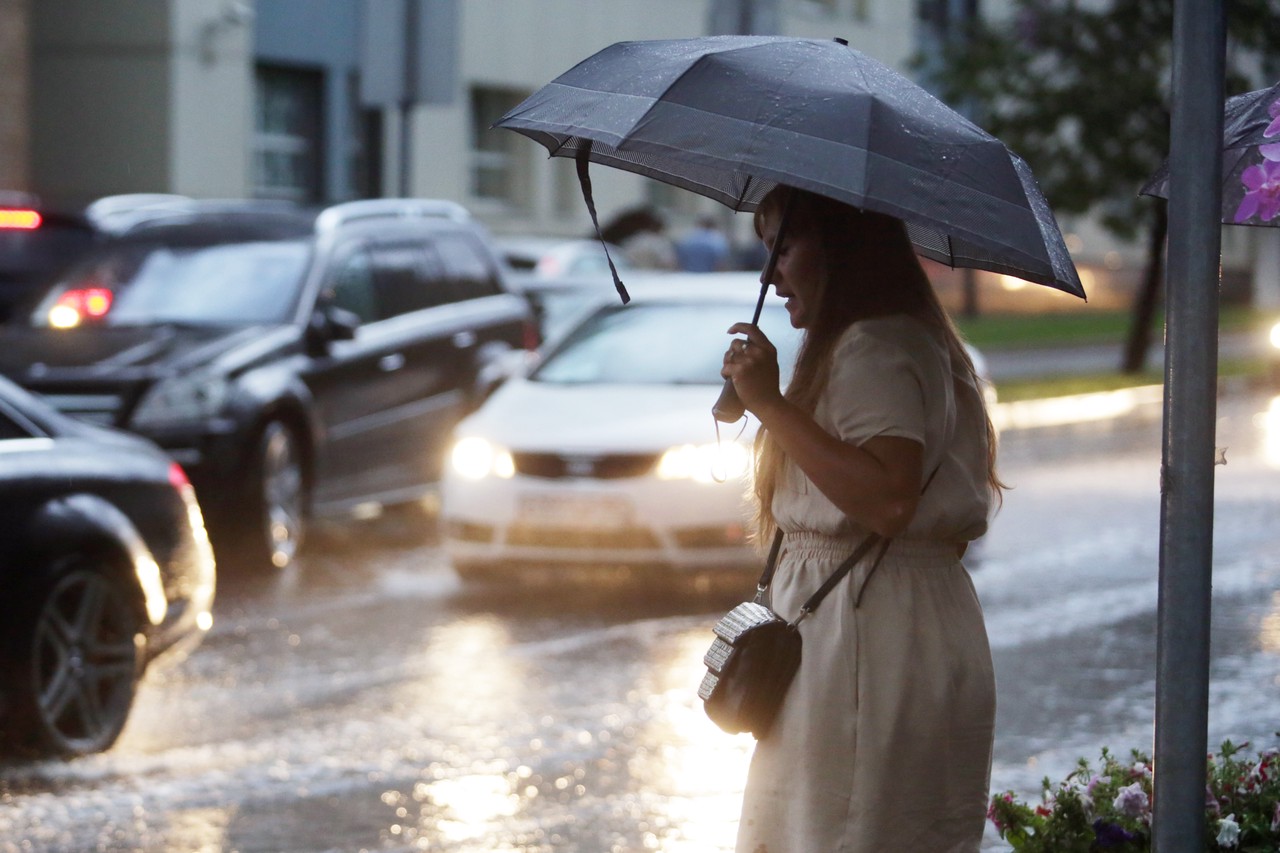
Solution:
(801, 270)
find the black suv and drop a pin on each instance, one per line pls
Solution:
(296, 364)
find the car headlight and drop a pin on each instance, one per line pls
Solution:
(706, 463)
(181, 400)
(475, 458)
(1275, 336)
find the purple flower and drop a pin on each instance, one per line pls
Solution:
(1272, 152)
(1111, 834)
(1262, 196)
(1131, 800)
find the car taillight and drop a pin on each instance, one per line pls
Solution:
(19, 219)
(76, 306)
(178, 477)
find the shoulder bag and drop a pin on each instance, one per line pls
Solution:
(756, 652)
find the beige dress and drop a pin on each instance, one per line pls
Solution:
(884, 740)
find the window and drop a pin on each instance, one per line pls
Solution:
(402, 272)
(352, 287)
(470, 274)
(287, 139)
(493, 153)
(364, 145)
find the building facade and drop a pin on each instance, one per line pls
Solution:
(327, 100)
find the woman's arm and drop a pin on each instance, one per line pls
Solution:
(876, 484)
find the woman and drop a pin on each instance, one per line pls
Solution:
(884, 739)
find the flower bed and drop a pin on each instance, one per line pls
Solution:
(1110, 809)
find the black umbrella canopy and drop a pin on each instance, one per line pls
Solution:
(730, 117)
(1250, 160)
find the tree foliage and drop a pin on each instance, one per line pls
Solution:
(1081, 91)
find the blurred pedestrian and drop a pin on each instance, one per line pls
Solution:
(704, 248)
(651, 249)
(884, 738)
(641, 233)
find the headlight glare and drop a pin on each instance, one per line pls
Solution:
(1275, 336)
(705, 463)
(475, 458)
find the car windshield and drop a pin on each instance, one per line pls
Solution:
(144, 284)
(675, 343)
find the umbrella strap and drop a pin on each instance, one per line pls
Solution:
(583, 157)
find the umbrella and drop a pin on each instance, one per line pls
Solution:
(1250, 160)
(730, 117)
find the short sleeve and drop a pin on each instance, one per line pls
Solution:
(876, 387)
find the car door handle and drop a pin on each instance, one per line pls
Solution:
(465, 339)
(391, 363)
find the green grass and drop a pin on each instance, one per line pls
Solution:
(1083, 328)
(1012, 390)
(1011, 331)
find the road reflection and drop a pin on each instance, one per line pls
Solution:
(1268, 422)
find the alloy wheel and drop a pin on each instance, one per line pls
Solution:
(85, 662)
(282, 493)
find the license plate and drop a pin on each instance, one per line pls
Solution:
(594, 512)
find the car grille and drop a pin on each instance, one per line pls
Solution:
(567, 537)
(605, 467)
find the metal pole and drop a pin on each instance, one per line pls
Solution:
(1186, 483)
(409, 95)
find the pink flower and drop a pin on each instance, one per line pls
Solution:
(1262, 196)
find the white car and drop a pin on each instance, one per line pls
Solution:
(605, 456)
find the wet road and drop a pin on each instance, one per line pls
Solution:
(366, 701)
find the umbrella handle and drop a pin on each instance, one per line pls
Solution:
(728, 408)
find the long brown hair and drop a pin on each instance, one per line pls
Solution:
(862, 250)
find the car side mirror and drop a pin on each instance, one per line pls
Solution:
(342, 324)
(330, 323)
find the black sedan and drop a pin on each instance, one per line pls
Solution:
(105, 565)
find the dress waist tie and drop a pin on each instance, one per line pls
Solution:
(916, 553)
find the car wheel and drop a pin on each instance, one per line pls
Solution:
(277, 505)
(77, 664)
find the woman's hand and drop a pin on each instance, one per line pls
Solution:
(877, 483)
(753, 366)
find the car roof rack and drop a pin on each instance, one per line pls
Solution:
(390, 208)
(119, 213)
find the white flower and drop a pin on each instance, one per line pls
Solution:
(1131, 800)
(1228, 831)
